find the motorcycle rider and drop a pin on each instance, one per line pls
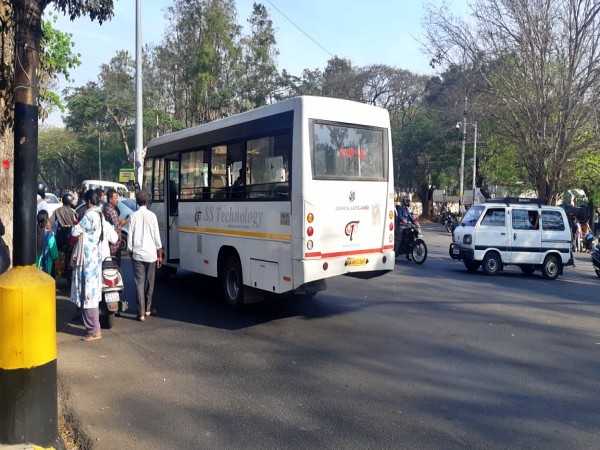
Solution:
(403, 217)
(41, 197)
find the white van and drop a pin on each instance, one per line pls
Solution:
(106, 185)
(523, 232)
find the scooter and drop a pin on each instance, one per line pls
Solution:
(413, 244)
(112, 290)
(596, 259)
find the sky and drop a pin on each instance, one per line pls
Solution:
(308, 33)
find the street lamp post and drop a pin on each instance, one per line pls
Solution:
(99, 156)
(462, 159)
(474, 159)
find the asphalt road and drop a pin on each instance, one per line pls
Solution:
(424, 357)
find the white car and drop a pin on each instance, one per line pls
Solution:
(53, 203)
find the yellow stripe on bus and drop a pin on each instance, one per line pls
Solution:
(281, 237)
(27, 318)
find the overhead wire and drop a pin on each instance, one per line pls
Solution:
(300, 29)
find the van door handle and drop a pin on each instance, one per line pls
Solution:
(514, 236)
(502, 234)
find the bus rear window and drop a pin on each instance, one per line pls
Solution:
(348, 152)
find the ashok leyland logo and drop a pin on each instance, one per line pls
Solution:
(351, 196)
(351, 227)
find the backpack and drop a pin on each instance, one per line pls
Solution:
(63, 236)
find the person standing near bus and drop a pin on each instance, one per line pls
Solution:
(145, 248)
(86, 287)
(112, 213)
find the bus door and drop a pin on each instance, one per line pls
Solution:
(172, 244)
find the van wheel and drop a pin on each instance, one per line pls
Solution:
(472, 266)
(492, 264)
(551, 267)
(527, 269)
(232, 282)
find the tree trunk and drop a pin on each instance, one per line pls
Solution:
(27, 17)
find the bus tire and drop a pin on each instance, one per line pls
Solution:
(232, 282)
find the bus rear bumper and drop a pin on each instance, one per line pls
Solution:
(359, 266)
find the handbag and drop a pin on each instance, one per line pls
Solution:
(77, 256)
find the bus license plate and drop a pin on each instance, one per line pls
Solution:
(356, 261)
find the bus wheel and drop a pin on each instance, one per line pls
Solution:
(233, 286)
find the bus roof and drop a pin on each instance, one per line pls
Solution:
(275, 112)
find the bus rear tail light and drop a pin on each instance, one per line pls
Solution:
(309, 245)
(391, 226)
(310, 231)
(310, 217)
(325, 266)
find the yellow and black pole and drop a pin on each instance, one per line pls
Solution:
(28, 388)
(28, 393)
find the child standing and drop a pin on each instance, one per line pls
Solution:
(47, 250)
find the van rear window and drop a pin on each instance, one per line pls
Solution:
(552, 221)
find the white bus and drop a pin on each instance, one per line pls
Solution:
(277, 199)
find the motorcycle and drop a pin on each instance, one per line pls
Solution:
(112, 291)
(596, 259)
(449, 221)
(412, 245)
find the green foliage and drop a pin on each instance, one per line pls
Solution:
(425, 152)
(57, 57)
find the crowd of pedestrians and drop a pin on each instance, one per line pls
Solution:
(76, 248)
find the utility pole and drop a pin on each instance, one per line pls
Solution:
(474, 160)
(139, 170)
(28, 368)
(99, 157)
(462, 160)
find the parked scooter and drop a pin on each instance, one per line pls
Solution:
(412, 244)
(596, 259)
(112, 291)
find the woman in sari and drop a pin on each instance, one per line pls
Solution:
(86, 288)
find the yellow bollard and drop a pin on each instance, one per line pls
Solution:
(28, 388)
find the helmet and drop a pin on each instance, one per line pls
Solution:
(41, 189)
(406, 200)
(67, 198)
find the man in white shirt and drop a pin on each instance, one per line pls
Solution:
(145, 247)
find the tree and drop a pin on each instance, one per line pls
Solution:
(59, 156)
(342, 80)
(259, 70)
(539, 60)
(118, 88)
(37, 70)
